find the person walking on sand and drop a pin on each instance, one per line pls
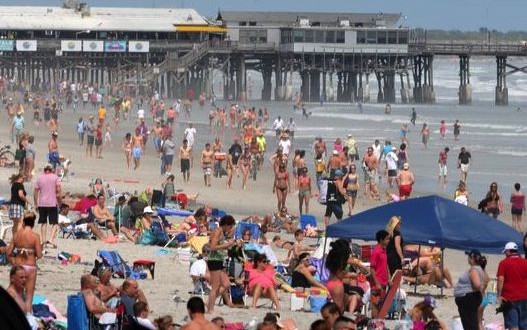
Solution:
(442, 129)
(457, 129)
(413, 117)
(127, 148)
(517, 208)
(463, 163)
(406, 180)
(185, 159)
(425, 135)
(206, 164)
(53, 150)
(137, 148)
(90, 136)
(443, 157)
(46, 197)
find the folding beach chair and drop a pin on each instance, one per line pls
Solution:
(113, 260)
(308, 224)
(253, 227)
(4, 227)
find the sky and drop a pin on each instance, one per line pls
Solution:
(503, 15)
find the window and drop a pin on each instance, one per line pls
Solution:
(341, 37)
(381, 37)
(371, 37)
(253, 36)
(298, 36)
(319, 36)
(361, 37)
(252, 23)
(392, 37)
(309, 36)
(243, 23)
(403, 37)
(330, 37)
(286, 36)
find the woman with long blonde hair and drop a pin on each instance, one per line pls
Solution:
(394, 250)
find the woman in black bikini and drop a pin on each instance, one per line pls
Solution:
(24, 250)
(302, 276)
(282, 185)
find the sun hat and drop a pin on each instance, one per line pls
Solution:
(148, 209)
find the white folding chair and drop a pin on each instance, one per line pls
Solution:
(3, 226)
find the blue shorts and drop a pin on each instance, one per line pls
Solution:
(516, 317)
(136, 152)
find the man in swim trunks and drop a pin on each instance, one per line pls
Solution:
(45, 197)
(53, 148)
(90, 136)
(370, 165)
(443, 157)
(463, 163)
(137, 148)
(405, 178)
(185, 157)
(206, 164)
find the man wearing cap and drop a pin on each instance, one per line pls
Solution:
(335, 197)
(391, 166)
(334, 163)
(53, 150)
(406, 180)
(512, 288)
(45, 196)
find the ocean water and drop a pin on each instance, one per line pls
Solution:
(495, 136)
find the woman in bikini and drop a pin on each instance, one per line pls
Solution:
(304, 189)
(281, 186)
(127, 148)
(351, 182)
(230, 170)
(24, 250)
(494, 203)
(245, 164)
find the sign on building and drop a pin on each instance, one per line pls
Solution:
(71, 45)
(26, 45)
(7, 45)
(92, 46)
(115, 46)
(138, 46)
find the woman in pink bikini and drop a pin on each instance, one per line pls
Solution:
(24, 250)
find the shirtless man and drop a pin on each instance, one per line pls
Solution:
(196, 311)
(334, 163)
(185, 158)
(17, 286)
(107, 289)
(370, 165)
(93, 304)
(102, 214)
(405, 179)
(207, 156)
(158, 133)
(53, 150)
(137, 148)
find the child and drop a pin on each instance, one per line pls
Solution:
(108, 135)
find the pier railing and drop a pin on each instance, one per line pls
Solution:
(484, 49)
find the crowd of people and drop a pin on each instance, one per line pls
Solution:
(337, 181)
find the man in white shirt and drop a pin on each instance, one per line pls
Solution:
(278, 126)
(391, 166)
(291, 128)
(190, 135)
(141, 114)
(285, 144)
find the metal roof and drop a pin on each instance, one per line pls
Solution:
(289, 18)
(98, 19)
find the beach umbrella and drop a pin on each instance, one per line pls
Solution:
(432, 221)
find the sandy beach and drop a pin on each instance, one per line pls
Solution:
(56, 281)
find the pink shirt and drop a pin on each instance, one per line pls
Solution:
(47, 185)
(379, 262)
(265, 279)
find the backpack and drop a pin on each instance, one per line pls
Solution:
(77, 314)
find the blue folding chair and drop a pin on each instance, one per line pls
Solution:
(113, 260)
(253, 227)
(310, 220)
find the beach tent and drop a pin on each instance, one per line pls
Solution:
(432, 221)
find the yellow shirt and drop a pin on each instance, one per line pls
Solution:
(101, 113)
(320, 167)
(260, 140)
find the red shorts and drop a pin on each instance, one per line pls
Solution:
(405, 190)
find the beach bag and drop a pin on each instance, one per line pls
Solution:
(77, 315)
(322, 198)
(316, 303)
(237, 294)
(161, 237)
(147, 238)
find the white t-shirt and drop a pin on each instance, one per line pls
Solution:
(391, 160)
(278, 124)
(140, 113)
(286, 146)
(190, 132)
(198, 268)
(64, 220)
(377, 150)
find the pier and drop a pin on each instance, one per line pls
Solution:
(337, 56)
